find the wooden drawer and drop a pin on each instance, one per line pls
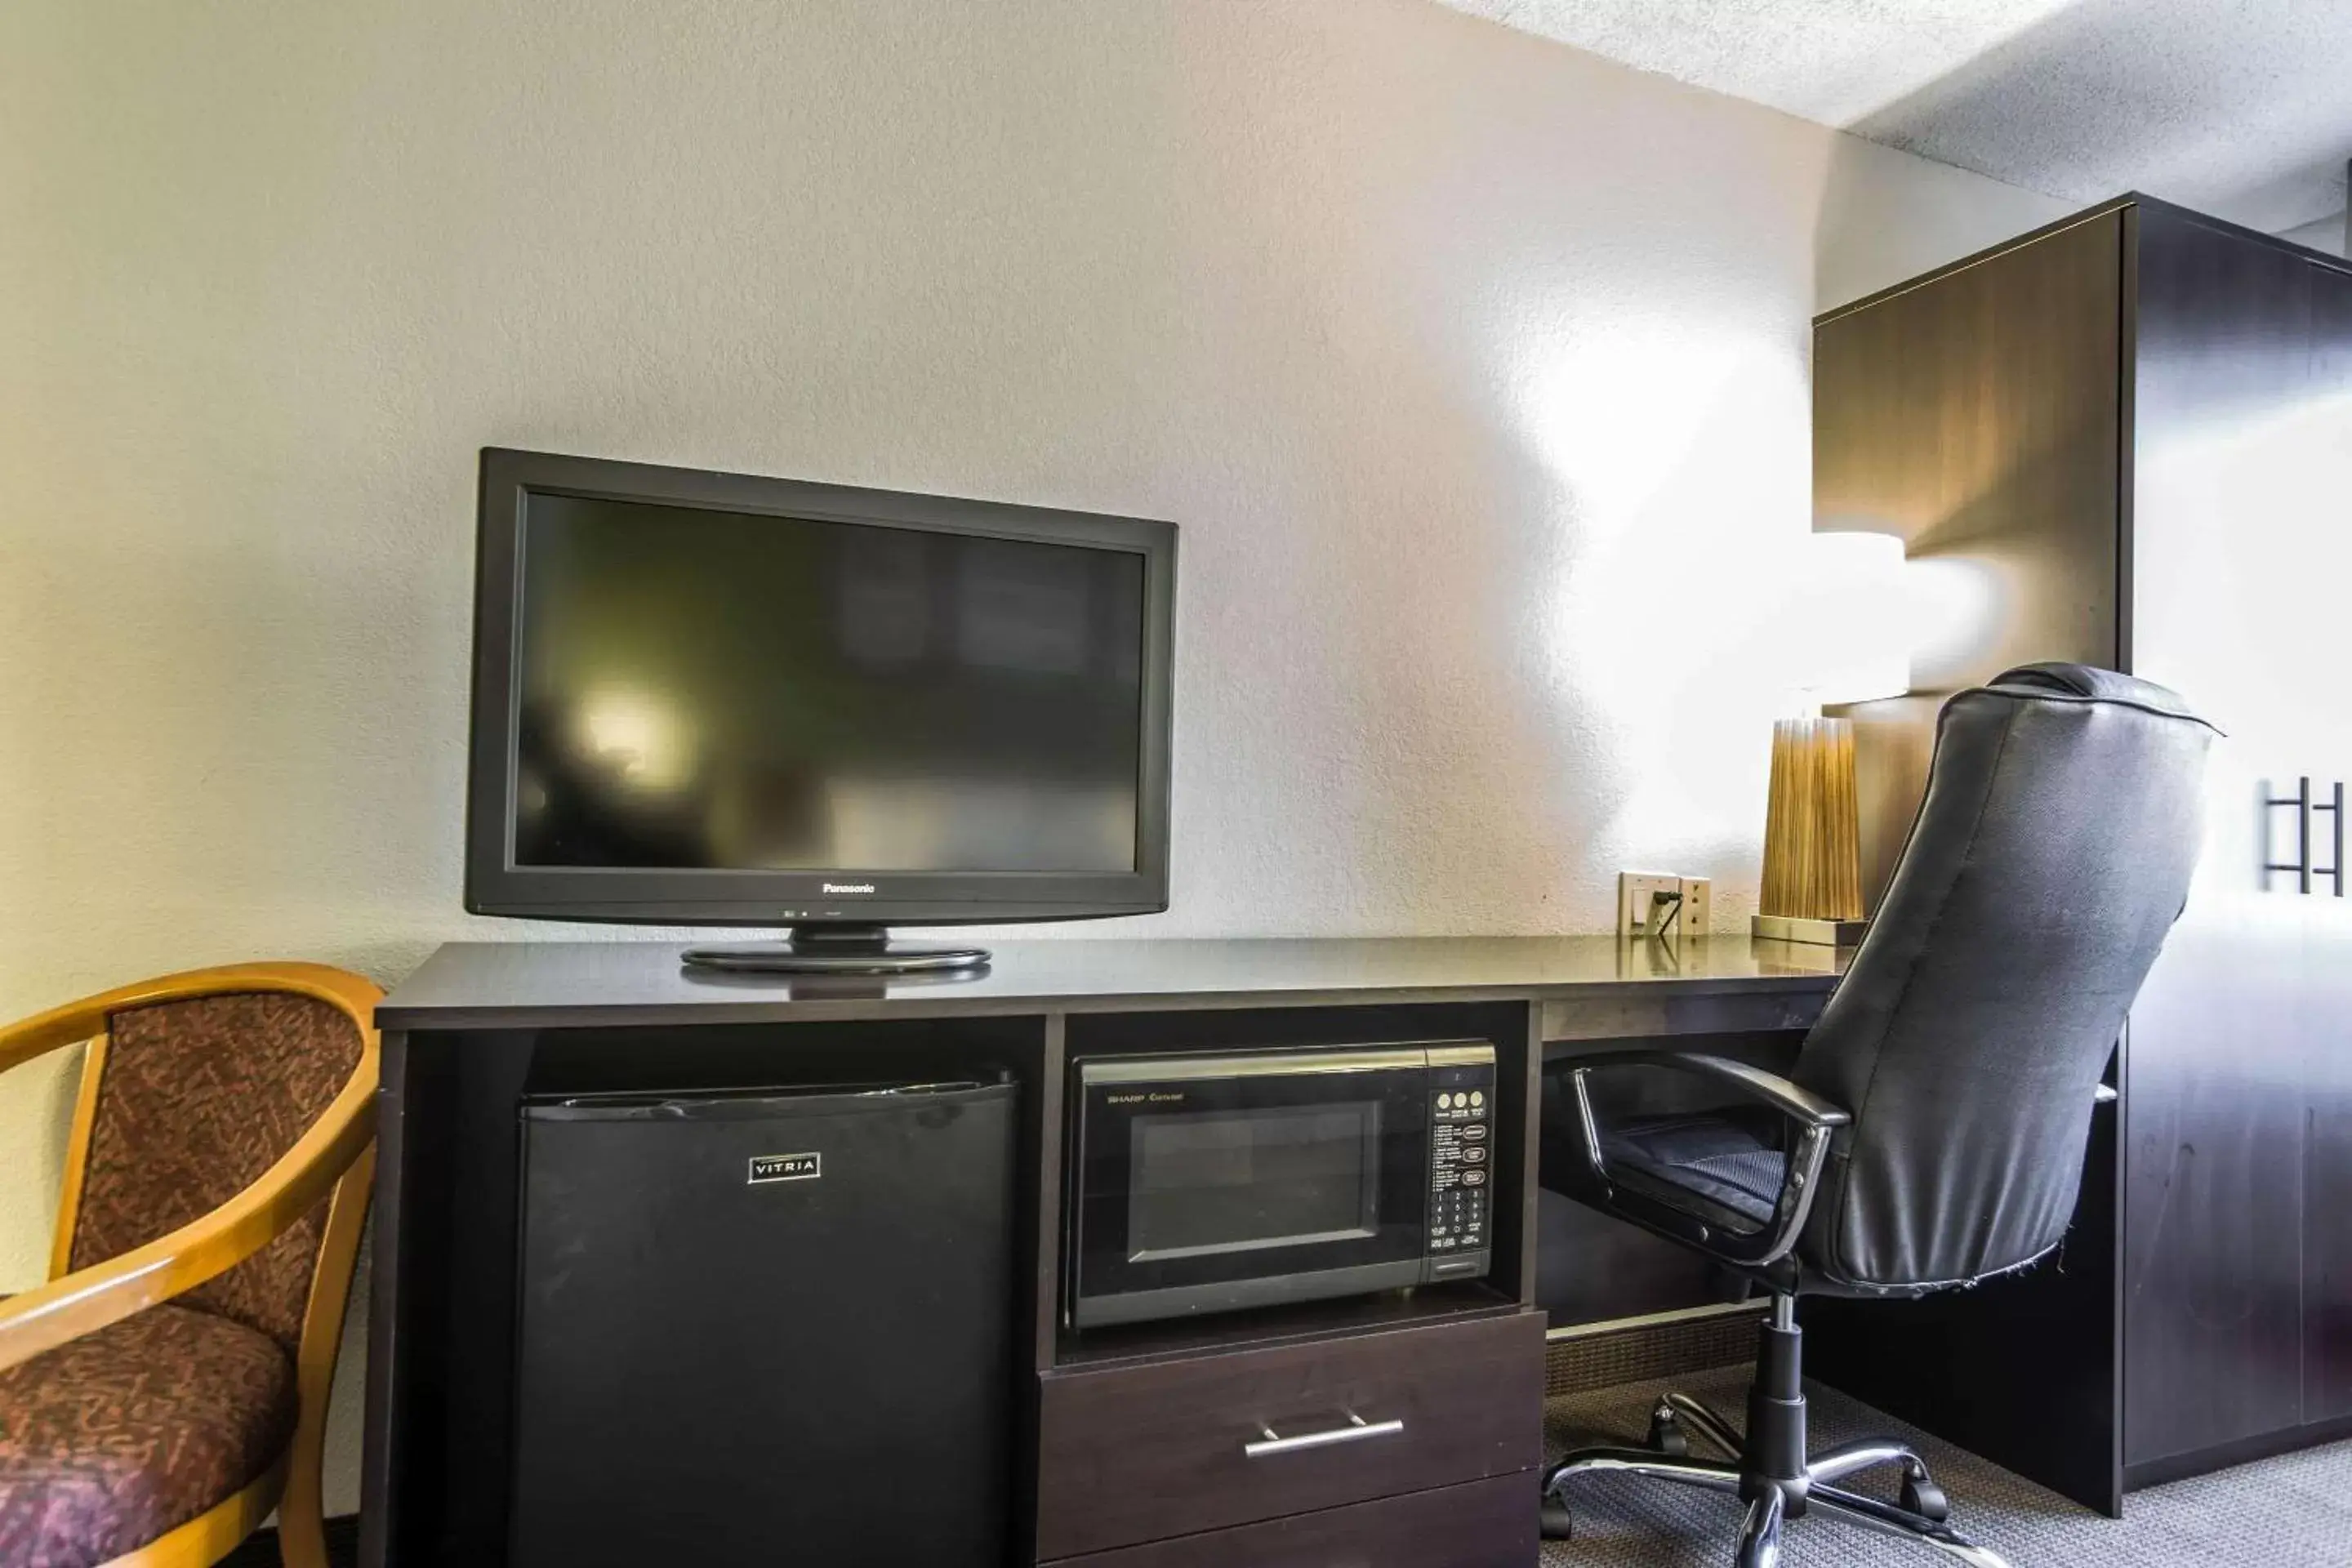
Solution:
(1484, 1524)
(1142, 1453)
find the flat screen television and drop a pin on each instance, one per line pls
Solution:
(705, 699)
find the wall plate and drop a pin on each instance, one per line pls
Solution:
(1698, 906)
(1637, 893)
(1691, 903)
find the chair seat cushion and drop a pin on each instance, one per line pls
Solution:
(126, 1433)
(1729, 1160)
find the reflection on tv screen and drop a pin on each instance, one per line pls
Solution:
(712, 690)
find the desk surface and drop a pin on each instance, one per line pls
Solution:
(469, 985)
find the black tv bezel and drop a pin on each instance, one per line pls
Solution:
(495, 884)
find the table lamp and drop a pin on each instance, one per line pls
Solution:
(1849, 644)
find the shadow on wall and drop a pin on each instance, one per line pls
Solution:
(1556, 411)
(1404, 553)
(1884, 216)
(2332, 234)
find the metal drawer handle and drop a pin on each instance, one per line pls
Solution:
(1355, 1431)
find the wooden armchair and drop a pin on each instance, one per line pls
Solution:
(168, 1387)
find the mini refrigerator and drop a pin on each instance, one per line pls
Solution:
(765, 1327)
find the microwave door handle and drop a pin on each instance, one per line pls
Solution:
(1356, 1431)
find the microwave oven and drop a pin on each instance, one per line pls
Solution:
(1212, 1183)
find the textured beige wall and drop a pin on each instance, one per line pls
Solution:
(1473, 367)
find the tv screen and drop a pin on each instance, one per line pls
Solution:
(715, 697)
(728, 692)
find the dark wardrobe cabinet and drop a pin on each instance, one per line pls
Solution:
(2126, 439)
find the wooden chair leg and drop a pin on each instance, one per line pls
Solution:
(301, 1544)
(302, 1511)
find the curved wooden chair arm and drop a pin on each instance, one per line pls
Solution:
(89, 1300)
(76, 1022)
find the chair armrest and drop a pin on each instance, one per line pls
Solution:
(72, 1025)
(1817, 1121)
(90, 1298)
(1795, 1103)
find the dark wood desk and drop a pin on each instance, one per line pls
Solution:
(1588, 985)
(481, 1022)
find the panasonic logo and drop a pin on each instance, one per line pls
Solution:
(849, 886)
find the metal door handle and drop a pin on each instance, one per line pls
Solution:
(2334, 810)
(1355, 1431)
(2304, 808)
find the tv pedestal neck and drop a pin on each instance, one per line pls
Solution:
(834, 948)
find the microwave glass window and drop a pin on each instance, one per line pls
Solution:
(1237, 1181)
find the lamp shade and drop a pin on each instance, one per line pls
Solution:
(1852, 639)
(1812, 826)
(1849, 641)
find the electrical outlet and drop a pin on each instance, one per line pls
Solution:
(1638, 893)
(1686, 903)
(1698, 915)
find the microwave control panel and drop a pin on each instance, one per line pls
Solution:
(1461, 1156)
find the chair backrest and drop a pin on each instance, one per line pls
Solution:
(193, 1099)
(2050, 857)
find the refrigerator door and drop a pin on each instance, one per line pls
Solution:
(767, 1328)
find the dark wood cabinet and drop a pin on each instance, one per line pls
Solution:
(2328, 1203)
(2132, 433)
(1155, 1445)
(2216, 1203)
(1129, 1454)
(1482, 1525)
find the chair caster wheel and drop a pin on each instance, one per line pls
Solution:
(1925, 1498)
(1554, 1522)
(1666, 1435)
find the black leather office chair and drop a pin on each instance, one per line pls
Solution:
(1931, 1133)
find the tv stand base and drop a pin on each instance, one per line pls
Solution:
(835, 950)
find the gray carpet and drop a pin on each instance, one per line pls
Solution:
(2294, 1511)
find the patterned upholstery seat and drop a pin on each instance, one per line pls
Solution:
(194, 1415)
(111, 1441)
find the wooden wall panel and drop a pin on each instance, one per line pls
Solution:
(1977, 417)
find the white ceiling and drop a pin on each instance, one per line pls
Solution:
(2241, 108)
